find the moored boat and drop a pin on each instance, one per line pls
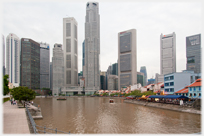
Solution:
(111, 100)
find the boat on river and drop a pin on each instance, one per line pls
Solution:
(111, 100)
(61, 98)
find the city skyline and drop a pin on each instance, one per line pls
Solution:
(150, 20)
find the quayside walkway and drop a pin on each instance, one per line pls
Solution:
(14, 119)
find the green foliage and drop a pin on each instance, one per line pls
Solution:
(45, 88)
(6, 99)
(6, 88)
(105, 94)
(50, 93)
(37, 94)
(23, 93)
(138, 93)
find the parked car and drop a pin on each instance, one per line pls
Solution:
(130, 97)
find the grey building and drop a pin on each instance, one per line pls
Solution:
(193, 53)
(57, 69)
(30, 64)
(44, 65)
(159, 78)
(127, 58)
(167, 53)
(51, 76)
(115, 69)
(112, 82)
(140, 78)
(92, 47)
(103, 80)
(13, 59)
(3, 44)
(143, 70)
(70, 42)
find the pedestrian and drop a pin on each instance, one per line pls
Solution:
(14, 102)
(11, 102)
(32, 102)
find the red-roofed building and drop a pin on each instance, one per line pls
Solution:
(194, 89)
(183, 91)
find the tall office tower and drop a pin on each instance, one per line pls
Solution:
(115, 69)
(3, 44)
(44, 65)
(140, 78)
(92, 47)
(13, 59)
(127, 58)
(193, 53)
(143, 70)
(70, 42)
(168, 53)
(83, 56)
(103, 80)
(57, 69)
(50, 75)
(30, 63)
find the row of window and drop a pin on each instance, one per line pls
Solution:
(169, 84)
(194, 94)
(169, 90)
(194, 88)
(169, 78)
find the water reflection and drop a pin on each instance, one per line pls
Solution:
(94, 115)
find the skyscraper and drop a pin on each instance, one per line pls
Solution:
(30, 63)
(193, 53)
(140, 78)
(143, 70)
(127, 58)
(115, 69)
(83, 55)
(13, 59)
(168, 53)
(57, 69)
(3, 44)
(92, 47)
(44, 65)
(70, 42)
(51, 76)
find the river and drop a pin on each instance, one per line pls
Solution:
(95, 115)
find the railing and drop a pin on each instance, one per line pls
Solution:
(44, 129)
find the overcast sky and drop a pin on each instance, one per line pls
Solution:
(43, 21)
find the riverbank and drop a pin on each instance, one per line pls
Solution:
(165, 106)
(14, 119)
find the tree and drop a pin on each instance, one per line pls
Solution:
(23, 93)
(6, 88)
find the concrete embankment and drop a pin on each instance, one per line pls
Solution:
(165, 106)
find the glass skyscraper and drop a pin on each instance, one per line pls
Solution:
(30, 63)
(143, 70)
(193, 53)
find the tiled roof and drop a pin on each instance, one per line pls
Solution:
(184, 90)
(196, 83)
(157, 91)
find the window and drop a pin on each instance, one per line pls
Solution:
(166, 84)
(190, 88)
(171, 89)
(191, 59)
(171, 83)
(166, 78)
(194, 94)
(166, 90)
(199, 88)
(190, 94)
(199, 94)
(194, 88)
(171, 77)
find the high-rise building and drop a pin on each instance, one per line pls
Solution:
(140, 78)
(151, 81)
(44, 65)
(3, 44)
(127, 58)
(103, 81)
(193, 53)
(115, 69)
(13, 59)
(83, 55)
(112, 82)
(70, 42)
(57, 69)
(143, 70)
(51, 76)
(30, 63)
(168, 53)
(92, 47)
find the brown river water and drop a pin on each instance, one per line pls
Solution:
(95, 115)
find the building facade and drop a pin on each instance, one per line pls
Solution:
(44, 65)
(51, 76)
(159, 78)
(112, 82)
(57, 69)
(92, 47)
(151, 81)
(195, 89)
(30, 63)
(114, 69)
(3, 54)
(70, 48)
(143, 70)
(13, 59)
(167, 53)
(140, 78)
(193, 53)
(173, 82)
(127, 58)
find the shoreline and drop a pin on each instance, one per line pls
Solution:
(165, 106)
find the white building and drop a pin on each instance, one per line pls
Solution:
(70, 48)
(167, 53)
(13, 59)
(91, 70)
(57, 69)
(174, 82)
(127, 58)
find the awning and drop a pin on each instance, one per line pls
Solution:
(168, 96)
(157, 96)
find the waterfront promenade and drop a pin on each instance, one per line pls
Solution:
(14, 119)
